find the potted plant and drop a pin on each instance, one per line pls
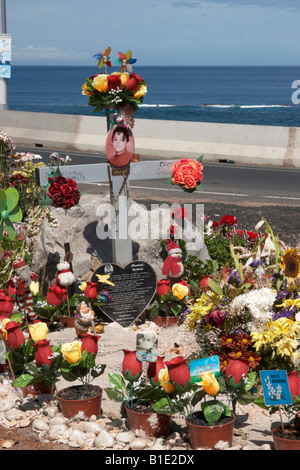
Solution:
(149, 398)
(286, 436)
(78, 363)
(169, 303)
(214, 422)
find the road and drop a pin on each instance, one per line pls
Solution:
(247, 191)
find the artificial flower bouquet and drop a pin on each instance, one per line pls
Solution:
(118, 89)
(61, 192)
(188, 174)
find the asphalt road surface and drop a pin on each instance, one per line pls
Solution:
(248, 192)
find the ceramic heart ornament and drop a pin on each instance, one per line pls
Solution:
(133, 290)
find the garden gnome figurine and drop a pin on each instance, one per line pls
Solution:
(23, 282)
(173, 266)
(85, 321)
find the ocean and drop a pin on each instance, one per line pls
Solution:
(234, 95)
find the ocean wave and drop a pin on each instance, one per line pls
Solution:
(246, 106)
(157, 105)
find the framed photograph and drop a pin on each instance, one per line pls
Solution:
(146, 347)
(119, 146)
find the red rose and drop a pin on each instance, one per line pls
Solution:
(189, 182)
(76, 195)
(68, 203)
(114, 82)
(178, 371)
(72, 183)
(56, 295)
(155, 367)
(43, 353)
(204, 282)
(131, 365)
(178, 177)
(163, 287)
(58, 200)
(54, 188)
(15, 336)
(237, 369)
(294, 383)
(91, 290)
(251, 235)
(133, 82)
(90, 343)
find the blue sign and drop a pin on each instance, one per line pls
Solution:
(205, 364)
(275, 387)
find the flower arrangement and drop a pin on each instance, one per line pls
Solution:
(188, 174)
(169, 300)
(118, 89)
(63, 192)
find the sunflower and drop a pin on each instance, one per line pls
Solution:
(291, 263)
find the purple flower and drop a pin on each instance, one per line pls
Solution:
(216, 318)
(255, 263)
(287, 312)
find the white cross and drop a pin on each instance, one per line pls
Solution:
(98, 173)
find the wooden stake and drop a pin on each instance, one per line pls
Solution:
(280, 412)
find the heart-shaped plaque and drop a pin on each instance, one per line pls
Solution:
(133, 290)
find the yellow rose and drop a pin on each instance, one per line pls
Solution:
(123, 76)
(3, 323)
(180, 291)
(83, 286)
(72, 351)
(38, 331)
(85, 91)
(101, 83)
(164, 380)
(209, 383)
(140, 91)
(34, 288)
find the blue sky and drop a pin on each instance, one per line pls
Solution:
(179, 32)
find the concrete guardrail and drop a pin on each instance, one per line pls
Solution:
(245, 144)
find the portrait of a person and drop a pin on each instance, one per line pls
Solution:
(119, 146)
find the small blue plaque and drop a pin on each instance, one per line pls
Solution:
(275, 387)
(205, 364)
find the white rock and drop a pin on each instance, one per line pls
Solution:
(6, 404)
(157, 446)
(237, 447)
(57, 420)
(76, 436)
(126, 437)
(93, 427)
(24, 423)
(40, 425)
(265, 447)
(14, 413)
(57, 431)
(138, 444)
(104, 440)
(221, 445)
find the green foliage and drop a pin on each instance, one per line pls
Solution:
(84, 370)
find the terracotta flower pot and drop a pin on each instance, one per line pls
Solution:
(67, 321)
(153, 424)
(208, 436)
(91, 405)
(165, 322)
(281, 443)
(37, 389)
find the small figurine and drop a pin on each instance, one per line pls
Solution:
(85, 321)
(24, 281)
(173, 266)
(64, 276)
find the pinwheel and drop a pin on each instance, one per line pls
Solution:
(126, 61)
(9, 212)
(103, 58)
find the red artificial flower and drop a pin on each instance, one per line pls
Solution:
(187, 173)
(90, 343)
(15, 336)
(133, 82)
(180, 213)
(252, 235)
(155, 367)
(244, 340)
(294, 383)
(11, 288)
(56, 295)
(203, 284)
(216, 318)
(228, 220)
(163, 287)
(228, 341)
(114, 82)
(6, 304)
(237, 369)
(215, 224)
(131, 365)
(63, 192)
(253, 359)
(91, 290)
(178, 371)
(43, 353)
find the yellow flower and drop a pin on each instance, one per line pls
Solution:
(38, 331)
(104, 278)
(180, 291)
(291, 263)
(164, 380)
(3, 323)
(85, 91)
(83, 286)
(101, 83)
(200, 308)
(140, 91)
(34, 288)
(209, 383)
(123, 76)
(72, 351)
